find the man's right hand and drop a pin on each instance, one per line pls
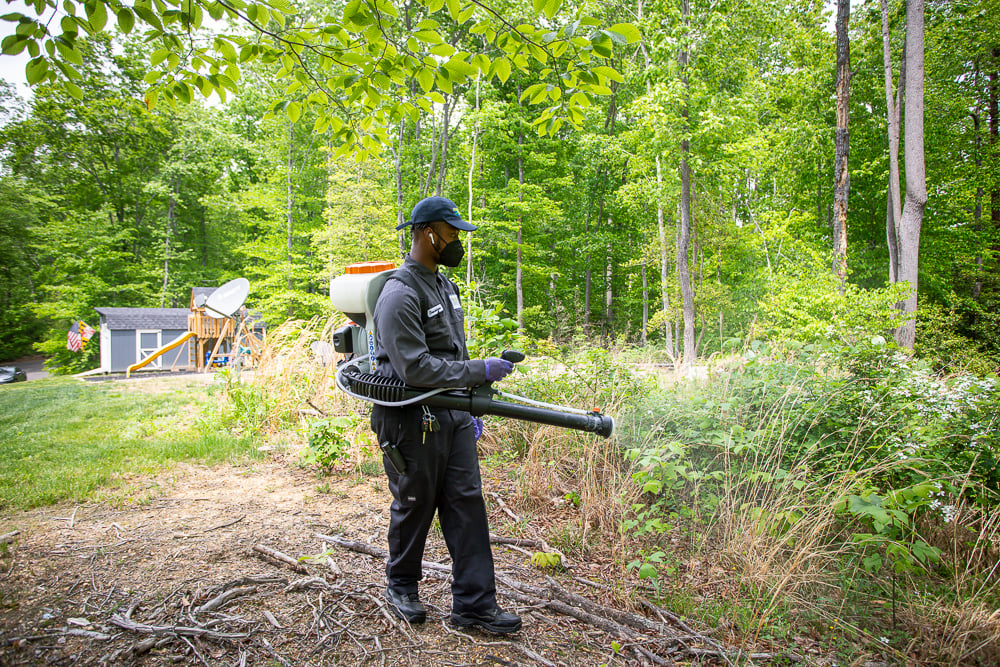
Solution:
(497, 369)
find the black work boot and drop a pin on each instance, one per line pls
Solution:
(494, 620)
(406, 605)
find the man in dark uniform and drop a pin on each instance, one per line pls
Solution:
(421, 341)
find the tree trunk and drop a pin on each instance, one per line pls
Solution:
(913, 156)
(448, 106)
(668, 336)
(609, 275)
(400, 192)
(645, 289)
(290, 209)
(842, 184)
(519, 277)
(683, 249)
(472, 169)
(893, 110)
(430, 169)
(171, 212)
(994, 121)
(977, 213)
(586, 276)
(684, 231)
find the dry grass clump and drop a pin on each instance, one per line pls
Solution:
(290, 377)
(961, 626)
(573, 477)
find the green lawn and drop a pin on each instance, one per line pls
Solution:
(65, 439)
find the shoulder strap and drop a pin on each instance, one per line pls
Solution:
(408, 280)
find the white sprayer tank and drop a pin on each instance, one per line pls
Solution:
(354, 293)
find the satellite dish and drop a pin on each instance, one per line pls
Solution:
(227, 299)
(199, 300)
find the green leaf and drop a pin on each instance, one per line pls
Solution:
(426, 78)
(126, 20)
(603, 46)
(97, 16)
(68, 52)
(69, 25)
(226, 49)
(453, 8)
(608, 73)
(294, 111)
(628, 31)
(654, 486)
(158, 57)
(502, 66)
(386, 7)
(351, 10)
(13, 44)
(446, 50)
(925, 553)
(74, 90)
(428, 36)
(35, 70)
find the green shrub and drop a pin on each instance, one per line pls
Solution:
(328, 442)
(792, 422)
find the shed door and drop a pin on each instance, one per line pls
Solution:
(105, 346)
(147, 342)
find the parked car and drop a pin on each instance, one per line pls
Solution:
(10, 374)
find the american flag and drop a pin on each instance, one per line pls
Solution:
(73, 341)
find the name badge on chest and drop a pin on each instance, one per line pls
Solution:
(455, 303)
(436, 310)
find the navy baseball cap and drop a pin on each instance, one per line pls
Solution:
(433, 209)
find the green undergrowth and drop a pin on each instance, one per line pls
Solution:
(852, 485)
(63, 439)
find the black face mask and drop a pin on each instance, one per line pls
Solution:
(451, 254)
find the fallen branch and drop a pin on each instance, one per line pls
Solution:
(203, 633)
(9, 537)
(89, 634)
(515, 541)
(284, 559)
(359, 547)
(503, 506)
(224, 525)
(307, 583)
(223, 598)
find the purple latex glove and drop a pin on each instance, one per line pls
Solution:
(478, 425)
(497, 369)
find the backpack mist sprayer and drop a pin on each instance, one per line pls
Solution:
(355, 294)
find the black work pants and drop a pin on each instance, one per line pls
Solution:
(442, 474)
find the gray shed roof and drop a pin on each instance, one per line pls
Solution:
(145, 318)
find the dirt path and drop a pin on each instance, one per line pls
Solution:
(74, 573)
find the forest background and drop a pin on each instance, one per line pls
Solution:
(110, 201)
(670, 181)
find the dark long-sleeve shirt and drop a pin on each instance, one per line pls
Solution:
(429, 353)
